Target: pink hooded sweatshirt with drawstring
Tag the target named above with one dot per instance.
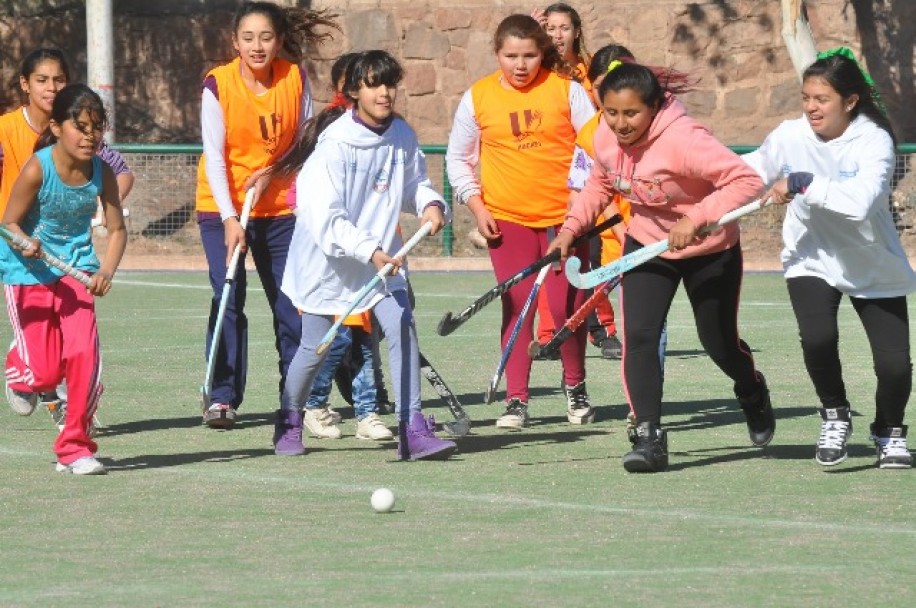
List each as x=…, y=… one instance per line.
x=676, y=169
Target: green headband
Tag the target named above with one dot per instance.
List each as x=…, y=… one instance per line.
x=846, y=52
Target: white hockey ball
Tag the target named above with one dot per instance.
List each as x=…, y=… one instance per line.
x=382, y=500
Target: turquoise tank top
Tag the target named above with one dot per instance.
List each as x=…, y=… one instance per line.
x=61, y=219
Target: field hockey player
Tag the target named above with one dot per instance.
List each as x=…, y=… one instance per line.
x=519, y=124
x=684, y=180
x=258, y=87
x=53, y=317
x=832, y=169
x=360, y=168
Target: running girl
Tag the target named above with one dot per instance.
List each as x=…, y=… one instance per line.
x=251, y=110
x=53, y=317
x=42, y=74
x=363, y=168
x=519, y=124
x=832, y=168
x=678, y=178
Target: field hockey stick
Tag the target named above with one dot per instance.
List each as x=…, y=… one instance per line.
x=97, y=221
x=640, y=256
x=376, y=279
x=548, y=350
x=490, y=394
x=231, y=269
x=462, y=424
x=450, y=323
x=47, y=258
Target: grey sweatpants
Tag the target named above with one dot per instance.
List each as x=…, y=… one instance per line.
x=396, y=322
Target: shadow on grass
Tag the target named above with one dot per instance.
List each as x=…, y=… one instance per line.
x=772, y=451
x=242, y=421
x=160, y=461
x=719, y=412
x=471, y=444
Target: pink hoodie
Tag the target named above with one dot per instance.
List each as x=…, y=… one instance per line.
x=677, y=168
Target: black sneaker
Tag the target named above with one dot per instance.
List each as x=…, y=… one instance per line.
x=650, y=450
x=515, y=417
x=761, y=423
x=893, y=452
x=611, y=348
x=836, y=427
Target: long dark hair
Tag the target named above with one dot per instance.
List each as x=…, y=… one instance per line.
x=603, y=57
x=650, y=82
x=369, y=68
x=526, y=27
x=298, y=27
x=579, y=47
x=846, y=78
x=31, y=62
x=68, y=104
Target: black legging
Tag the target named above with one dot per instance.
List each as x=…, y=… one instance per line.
x=713, y=285
x=887, y=326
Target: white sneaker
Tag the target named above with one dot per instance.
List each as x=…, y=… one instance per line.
x=20, y=402
x=579, y=409
x=87, y=465
x=335, y=415
x=516, y=416
x=320, y=422
x=372, y=427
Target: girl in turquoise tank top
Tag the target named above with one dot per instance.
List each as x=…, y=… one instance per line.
x=53, y=316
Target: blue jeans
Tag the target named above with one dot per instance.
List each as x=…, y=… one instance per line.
x=359, y=343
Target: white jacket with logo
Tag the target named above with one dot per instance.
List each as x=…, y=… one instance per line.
x=840, y=229
x=349, y=196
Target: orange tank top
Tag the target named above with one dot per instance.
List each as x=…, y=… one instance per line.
x=259, y=131
x=526, y=145
x=18, y=141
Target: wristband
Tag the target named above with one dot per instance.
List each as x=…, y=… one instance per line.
x=799, y=181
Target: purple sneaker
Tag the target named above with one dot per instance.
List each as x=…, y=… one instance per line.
x=422, y=442
x=288, y=433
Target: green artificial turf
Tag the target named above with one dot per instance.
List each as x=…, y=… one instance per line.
x=189, y=516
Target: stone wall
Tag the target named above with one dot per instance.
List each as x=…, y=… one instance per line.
x=163, y=48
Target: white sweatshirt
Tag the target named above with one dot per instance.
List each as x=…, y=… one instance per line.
x=349, y=195
x=840, y=229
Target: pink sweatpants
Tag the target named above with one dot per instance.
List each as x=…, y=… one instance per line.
x=520, y=246
x=55, y=337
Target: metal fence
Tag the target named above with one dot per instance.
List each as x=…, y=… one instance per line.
x=162, y=201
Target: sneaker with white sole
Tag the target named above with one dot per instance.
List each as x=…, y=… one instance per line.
x=836, y=427
x=320, y=423
x=893, y=452
x=220, y=416
x=87, y=465
x=579, y=409
x=21, y=402
x=515, y=417
x=371, y=427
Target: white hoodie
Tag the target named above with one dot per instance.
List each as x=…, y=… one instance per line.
x=840, y=229
x=349, y=197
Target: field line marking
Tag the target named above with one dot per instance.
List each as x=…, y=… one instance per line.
x=518, y=501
